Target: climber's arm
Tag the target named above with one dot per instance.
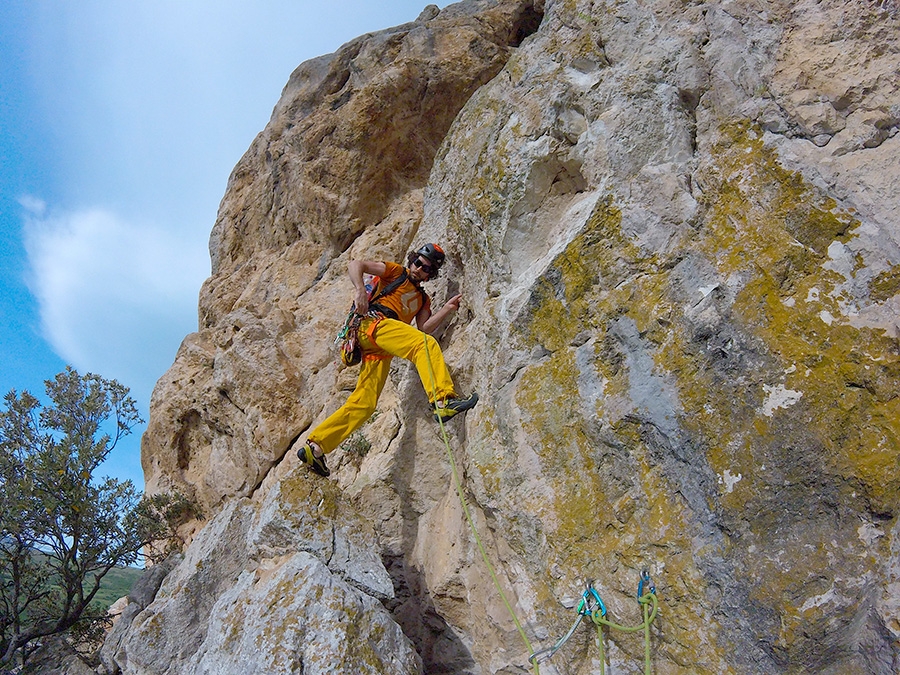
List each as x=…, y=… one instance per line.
x=428, y=322
x=356, y=269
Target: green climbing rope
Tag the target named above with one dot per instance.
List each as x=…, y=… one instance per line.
x=600, y=620
x=465, y=507
x=591, y=604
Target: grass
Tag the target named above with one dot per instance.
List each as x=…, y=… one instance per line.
x=117, y=583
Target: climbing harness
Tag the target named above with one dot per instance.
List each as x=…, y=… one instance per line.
x=348, y=337
x=591, y=604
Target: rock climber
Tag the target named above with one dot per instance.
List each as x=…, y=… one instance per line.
x=385, y=332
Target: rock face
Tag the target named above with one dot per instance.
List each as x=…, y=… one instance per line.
x=675, y=227
x=293, y=585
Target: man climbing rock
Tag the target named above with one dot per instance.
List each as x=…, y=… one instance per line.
x=385, y=332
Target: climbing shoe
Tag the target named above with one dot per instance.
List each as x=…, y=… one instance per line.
x=317, y=464
x=453, y=406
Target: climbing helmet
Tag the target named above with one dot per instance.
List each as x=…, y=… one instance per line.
x=432, y=252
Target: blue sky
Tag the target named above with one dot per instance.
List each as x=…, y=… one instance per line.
x=119, y=125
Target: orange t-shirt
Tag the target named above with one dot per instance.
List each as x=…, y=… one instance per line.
x=406, y=300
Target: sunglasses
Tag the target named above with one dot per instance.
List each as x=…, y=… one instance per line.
x=425, y=267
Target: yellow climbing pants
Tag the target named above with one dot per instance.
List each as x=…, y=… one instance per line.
x=381, y=340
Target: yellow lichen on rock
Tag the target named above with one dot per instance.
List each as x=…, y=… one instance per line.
x=766, y=225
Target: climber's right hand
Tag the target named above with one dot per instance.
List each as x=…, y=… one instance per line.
x=362, y=301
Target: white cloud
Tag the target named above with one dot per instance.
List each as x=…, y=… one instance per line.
x=33, y=206
x=115, y=296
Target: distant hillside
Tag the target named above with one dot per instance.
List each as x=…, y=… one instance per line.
x=117, y=583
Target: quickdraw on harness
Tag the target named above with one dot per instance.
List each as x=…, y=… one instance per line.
x=591, y=605
x=348, y=337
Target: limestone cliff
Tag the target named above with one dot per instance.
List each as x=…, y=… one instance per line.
x=675, y=226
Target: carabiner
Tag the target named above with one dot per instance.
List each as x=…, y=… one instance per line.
x=645, y=579
x=591, y=596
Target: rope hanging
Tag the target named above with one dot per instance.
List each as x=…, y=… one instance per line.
x=649, y=604
x=465, y=506
x=591, y=604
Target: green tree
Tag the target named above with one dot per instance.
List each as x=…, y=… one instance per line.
x=61, y=530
